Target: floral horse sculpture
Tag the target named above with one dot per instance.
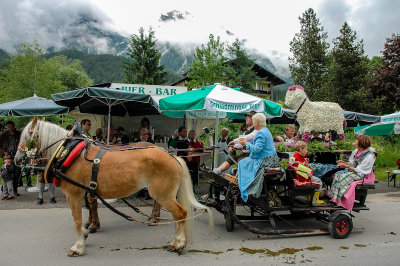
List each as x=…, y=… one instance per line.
x=314, y=116
x=120, y=174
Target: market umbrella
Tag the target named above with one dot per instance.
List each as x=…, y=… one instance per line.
x=389, y=124
x=378, y=129
x=32, y=106
x=217, y=98
x=105, y=101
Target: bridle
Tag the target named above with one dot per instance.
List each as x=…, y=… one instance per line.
x=34, y=137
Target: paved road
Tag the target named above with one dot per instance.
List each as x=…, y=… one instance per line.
x=43, y=237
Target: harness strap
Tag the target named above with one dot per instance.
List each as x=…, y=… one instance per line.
x=301, y=105
x=95, y=171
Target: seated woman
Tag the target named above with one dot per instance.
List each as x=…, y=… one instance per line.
x=359, y=167
x=262, y=155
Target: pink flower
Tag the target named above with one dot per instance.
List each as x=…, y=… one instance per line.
x=326, y=144
x=289, y=144
x=295, y=87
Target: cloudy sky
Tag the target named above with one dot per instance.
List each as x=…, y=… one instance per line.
x=267, y=25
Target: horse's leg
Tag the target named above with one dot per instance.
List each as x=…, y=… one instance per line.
x=155, y=214
x=94, y=216
x=79, y=247
x=179, y=213
x=89, y=220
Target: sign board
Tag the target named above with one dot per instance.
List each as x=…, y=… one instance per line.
x=153, y=90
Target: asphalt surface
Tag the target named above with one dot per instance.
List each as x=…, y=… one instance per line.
x=42, y=235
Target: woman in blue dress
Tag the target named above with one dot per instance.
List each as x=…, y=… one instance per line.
x=262, y=156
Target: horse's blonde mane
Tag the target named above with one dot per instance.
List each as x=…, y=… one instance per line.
x=48, y=134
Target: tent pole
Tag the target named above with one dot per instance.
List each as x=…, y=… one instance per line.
x=109, y=124
x=215, y=141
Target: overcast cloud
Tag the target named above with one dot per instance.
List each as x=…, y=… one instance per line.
x=267, y=25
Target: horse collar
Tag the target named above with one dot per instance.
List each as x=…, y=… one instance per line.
x=301, y=105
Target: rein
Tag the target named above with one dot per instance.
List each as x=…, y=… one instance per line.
x=127, y=217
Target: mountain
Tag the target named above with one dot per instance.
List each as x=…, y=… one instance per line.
x=103, y=50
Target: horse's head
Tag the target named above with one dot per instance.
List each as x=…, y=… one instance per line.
x=29, y=140
x=295, y=96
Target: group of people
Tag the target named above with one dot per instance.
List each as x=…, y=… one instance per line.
x=258, y=153
x=186, y=146
x=118, y=136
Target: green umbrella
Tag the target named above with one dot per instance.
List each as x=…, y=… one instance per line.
x=32, y=106
x=217, y=98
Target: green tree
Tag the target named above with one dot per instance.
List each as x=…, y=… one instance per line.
x=349, y=71
x=28, y=72
x=240, y=69
x=308, y=65
x=208, y=67
x=144, y=60
x=386, y=87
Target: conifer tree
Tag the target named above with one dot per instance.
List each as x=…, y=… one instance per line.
x=349, y=71
x=308, y=65
x=386, y=87
x=144, y=58
x=240, y=69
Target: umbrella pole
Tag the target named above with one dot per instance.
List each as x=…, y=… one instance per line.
x=109, y=124
x=215, y=141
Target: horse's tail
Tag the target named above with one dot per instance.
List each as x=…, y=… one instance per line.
x=187, y=199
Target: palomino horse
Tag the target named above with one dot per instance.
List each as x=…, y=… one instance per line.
x=121, y=174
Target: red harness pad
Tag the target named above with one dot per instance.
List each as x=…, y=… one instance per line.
x=74, y=153
x=71, y=157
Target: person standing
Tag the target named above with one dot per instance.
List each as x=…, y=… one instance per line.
x=145, y=123
x=180, y=142
x=7, y=172
x=8, y=146
x=193, y=162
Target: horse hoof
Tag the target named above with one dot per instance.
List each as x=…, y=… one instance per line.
x=72, y=253
x=174, y=249
x=92, y=231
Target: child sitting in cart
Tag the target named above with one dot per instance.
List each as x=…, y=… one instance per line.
x=303, y=174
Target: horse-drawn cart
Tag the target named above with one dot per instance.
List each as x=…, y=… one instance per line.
x=280, y=202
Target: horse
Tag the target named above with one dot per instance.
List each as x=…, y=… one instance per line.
x=121, y=174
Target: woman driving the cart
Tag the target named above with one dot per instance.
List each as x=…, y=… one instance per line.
x=359, y=169
x=262, y=155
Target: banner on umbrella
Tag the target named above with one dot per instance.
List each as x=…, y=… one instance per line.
x=204, y=114
x=257, y=106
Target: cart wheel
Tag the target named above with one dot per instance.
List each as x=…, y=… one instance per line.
x=229, y=223
x=340, y=227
